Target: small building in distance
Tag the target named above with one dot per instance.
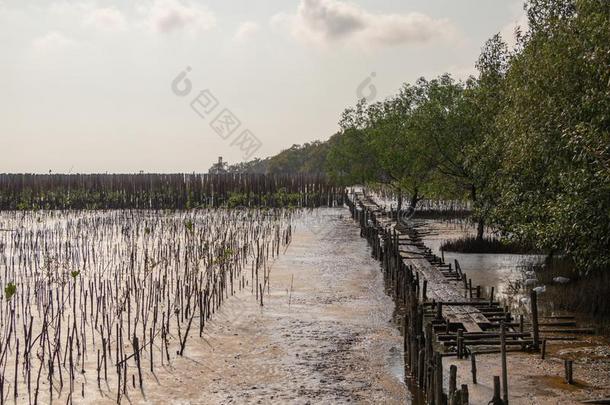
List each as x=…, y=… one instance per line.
x=218, y=168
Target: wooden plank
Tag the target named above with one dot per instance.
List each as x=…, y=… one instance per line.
x=440, y=288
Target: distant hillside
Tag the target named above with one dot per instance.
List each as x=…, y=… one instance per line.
x=309, y=158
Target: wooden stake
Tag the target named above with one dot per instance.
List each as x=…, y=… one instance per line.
x=504, y=366
x=568, y=371
x=473, y=362
x=452, y=380
x=535, y=330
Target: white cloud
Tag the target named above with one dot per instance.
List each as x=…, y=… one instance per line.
x=281, y=21
x=246, y=31
x=106, y=19
x=52, y=42
x=167, y=16
x=64, y=8
x=324, y=22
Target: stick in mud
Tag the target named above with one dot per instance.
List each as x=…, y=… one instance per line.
x=465, y=396
x=452, y=380
x=424, y=291
x=504, y=366
x=568, y=371
x=136, y=349
x=438, y=378
x=497, y=399
x=473, y=362
x=95, y=302
x=439, y=311
x=535, y=326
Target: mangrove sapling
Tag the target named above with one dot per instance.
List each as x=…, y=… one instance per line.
x=116, y=277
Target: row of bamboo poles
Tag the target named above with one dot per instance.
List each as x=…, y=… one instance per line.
x=95, y=302
x=164, y=191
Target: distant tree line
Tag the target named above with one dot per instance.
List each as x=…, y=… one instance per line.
x=309, y=158
x=527, y=141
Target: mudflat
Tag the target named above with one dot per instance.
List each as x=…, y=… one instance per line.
x=323, y=336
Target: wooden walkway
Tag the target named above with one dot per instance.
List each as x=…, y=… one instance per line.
x=444, y=315
x=444, y=283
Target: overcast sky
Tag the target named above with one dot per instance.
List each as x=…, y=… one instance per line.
x=93, y=86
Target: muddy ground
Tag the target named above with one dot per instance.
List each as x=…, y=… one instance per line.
x=532, y=381
x=323, y=336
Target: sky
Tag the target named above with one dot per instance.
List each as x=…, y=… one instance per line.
x=170, y=85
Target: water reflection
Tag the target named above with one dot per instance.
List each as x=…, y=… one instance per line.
x=505, y=272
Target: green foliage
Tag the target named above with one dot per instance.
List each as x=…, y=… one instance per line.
x=544, y=15
x=237, y=199
x=471, y=244
x=309, y=158
x=554, y=129
x=10, y=290
x=416, y=141
x=253, y=166
x=528, y=141
x=446, y=125
x=74, y=274
x=280, y=198
x=349, y=161
x=223, y=257
x=189, y=226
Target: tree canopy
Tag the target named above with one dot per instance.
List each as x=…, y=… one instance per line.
x=527, y=141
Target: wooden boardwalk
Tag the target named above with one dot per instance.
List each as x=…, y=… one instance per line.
x=444, y=283
x=444, y=315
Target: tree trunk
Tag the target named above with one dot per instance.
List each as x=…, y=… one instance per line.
x=548, y=261
x=399, y=207
x=480, y=228
x=481, y=220
x=414, y=199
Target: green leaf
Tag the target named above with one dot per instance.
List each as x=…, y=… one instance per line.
x=10, y=290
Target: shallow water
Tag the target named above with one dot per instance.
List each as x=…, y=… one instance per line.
x=504, y=272
x=324, y=335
